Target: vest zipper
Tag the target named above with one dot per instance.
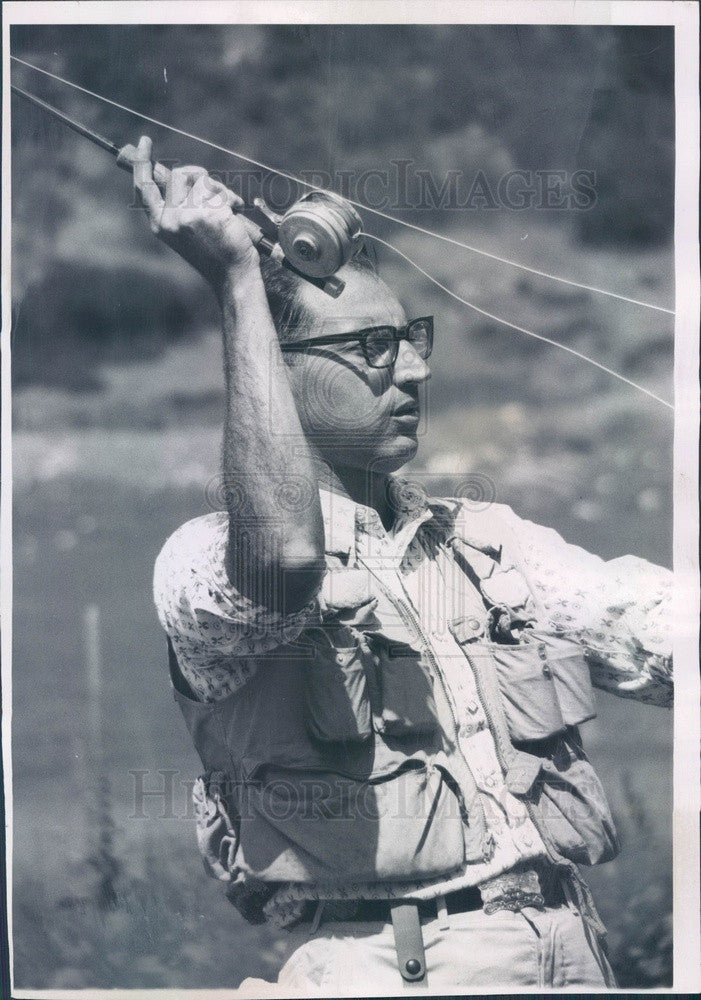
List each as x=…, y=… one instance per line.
x=494, y=727
x=408, y=617
x=406, y=613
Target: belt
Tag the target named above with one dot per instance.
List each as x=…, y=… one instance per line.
x=537, y=885
x=372, y=910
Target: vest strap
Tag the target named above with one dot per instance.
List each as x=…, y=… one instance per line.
x=409, y=943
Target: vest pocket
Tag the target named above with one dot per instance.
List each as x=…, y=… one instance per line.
x=320, y=826
x=574, y=807
x=571, y=676
x=359, y=681
x=405, y=689
x=529, y=696
x=336, y=692
x=545, y=685
x=570, y=802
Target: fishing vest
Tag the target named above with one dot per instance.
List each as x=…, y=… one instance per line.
x=338, y=762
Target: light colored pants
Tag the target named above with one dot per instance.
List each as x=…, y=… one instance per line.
x=465, y=952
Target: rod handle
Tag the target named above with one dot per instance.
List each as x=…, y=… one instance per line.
x=127, y=157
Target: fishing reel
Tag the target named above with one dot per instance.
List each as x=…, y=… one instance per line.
x=317, y=236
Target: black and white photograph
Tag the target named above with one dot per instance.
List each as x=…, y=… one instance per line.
x=350, y=498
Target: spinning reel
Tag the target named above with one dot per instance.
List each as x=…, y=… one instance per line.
x=314, y=238
x=317, y=236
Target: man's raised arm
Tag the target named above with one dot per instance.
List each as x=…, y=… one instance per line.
x=276, y=551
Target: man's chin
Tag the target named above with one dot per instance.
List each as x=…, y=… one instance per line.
x=388, y=456
x=396, y=454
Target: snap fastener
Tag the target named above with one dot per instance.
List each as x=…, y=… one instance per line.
x=413, y=966
x=474, y=624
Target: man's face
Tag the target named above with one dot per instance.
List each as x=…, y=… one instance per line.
x=354, y=414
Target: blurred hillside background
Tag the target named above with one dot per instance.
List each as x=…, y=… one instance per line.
x=118, y=406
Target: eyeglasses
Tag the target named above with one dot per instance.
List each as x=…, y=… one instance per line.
x=380, y=344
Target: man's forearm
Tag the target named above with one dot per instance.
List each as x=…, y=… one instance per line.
x=276, y=551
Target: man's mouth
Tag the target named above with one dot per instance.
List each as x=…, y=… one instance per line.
x=408, y=409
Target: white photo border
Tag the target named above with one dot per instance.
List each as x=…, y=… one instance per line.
x=684, y=16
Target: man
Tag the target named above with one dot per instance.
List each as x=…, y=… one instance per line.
x=385, y=689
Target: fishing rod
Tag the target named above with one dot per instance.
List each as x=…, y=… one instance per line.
x=314, y=238
x=321, y=231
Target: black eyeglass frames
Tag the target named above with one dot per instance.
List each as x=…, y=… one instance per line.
x=380, y=344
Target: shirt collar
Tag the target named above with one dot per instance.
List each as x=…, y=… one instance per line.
x=338, y=513
x=345, y=520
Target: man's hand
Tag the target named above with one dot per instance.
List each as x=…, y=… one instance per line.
x=194, y=216
x=281, y=565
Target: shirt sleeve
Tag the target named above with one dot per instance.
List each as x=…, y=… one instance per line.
x=216, y=632
x=619, y=610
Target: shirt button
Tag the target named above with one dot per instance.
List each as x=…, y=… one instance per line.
x=547, y=672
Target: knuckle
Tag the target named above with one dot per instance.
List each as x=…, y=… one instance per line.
x=201, y=216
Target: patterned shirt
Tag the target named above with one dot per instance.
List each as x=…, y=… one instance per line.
x=618, y=611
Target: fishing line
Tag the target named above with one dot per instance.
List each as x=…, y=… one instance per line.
x=171, y=128
x=519, y=329
x=356, y=204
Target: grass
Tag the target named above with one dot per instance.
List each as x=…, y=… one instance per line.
x=171, y=928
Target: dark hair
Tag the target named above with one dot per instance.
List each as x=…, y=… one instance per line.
x=292, y=320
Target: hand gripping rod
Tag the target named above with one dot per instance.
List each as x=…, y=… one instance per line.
x=126, y=157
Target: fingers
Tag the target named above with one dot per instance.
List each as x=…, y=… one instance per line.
x=214, y=195
x=193, y=187
x=233, y=200
x=145, y=187
x=181, y=182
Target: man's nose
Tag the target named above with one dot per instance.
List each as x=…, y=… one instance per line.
x=409, y=366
